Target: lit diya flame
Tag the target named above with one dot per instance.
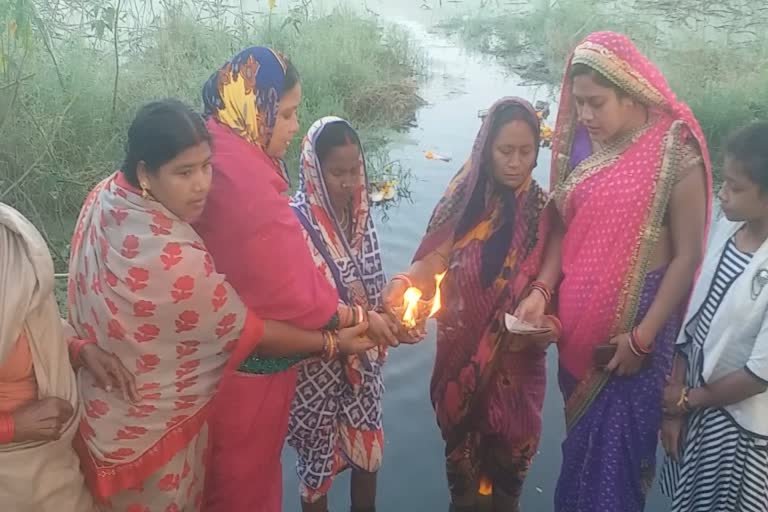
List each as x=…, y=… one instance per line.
x=412, y=299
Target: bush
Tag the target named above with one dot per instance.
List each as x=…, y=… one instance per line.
x=62, y=126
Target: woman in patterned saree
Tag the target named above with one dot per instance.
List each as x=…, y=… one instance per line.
x=488, y=231
x=336, y=413
x=631, y=180
x=143, y=286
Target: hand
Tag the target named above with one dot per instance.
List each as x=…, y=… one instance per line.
x=41, y=420
x=352, y=340
x=672, y=393
x=381, y=330
x=109, y=371
x=624, y=363
x=672, y=436
x=531, y=309
x=392, y=295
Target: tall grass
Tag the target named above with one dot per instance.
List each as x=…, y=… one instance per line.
x=63, y=114
x=714, y=54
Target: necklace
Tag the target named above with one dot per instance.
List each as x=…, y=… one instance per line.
x=344, y=221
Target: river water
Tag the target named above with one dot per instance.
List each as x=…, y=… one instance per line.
x=460, y=84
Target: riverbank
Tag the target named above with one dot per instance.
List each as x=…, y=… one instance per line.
x=72, y=80
x=715, y=57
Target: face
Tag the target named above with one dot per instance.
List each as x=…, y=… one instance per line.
x=341, y=172
x=741, y=198
x=601, y=110
x=182, y=184
x=513, y=154
x=287, y=123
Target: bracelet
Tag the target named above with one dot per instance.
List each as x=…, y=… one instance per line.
x=683, y=403
x=642, y=348
x=404, y=277
x=360, y=314
x=75, y=346
x=330, y=345
x=7, y=428
x=542, y=288
x=633, y=347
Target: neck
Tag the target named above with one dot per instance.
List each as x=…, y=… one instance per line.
x=757, y=230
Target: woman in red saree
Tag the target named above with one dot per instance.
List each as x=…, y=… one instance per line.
x=488, y=232
x=631, y=181
x=248, y=225
x=143, y=287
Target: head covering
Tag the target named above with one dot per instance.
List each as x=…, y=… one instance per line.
x=464, y=202
x=244, y=94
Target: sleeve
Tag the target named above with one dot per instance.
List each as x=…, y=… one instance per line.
x=757, y=365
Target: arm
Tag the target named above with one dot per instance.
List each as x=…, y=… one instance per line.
x=731, y=389
x=423, y=271
x=283, y=339
x=687, y=209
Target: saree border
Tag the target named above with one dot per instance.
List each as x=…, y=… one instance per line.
x=629, y=299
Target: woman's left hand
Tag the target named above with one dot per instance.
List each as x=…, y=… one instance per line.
x=380, y=329
x=625, y=363
x=109, y=371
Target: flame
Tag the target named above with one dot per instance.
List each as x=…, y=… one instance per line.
x=436, y=305
x=411, y=302
x=485, y=487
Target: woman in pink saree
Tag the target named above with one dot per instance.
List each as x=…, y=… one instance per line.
x=631, y=180
x=144, y=287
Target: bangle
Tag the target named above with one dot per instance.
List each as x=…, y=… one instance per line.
x=330, y=345
x=634, y=348
x=75, y=346
x=404, y=277
x=542, y=288
x=558, y=325
x=683, y=403
x=641, y=347
x=7, y=428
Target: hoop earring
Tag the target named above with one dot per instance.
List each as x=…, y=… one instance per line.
x=144, y=191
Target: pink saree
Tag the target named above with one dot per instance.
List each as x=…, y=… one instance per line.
x=613, y=201
x=144, y=287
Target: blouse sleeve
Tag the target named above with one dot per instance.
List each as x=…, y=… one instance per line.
x=757, y=365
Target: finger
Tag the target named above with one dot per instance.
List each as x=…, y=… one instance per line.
x=359, y=329
x=101, y=374
x=118, y=377
x=613, y=364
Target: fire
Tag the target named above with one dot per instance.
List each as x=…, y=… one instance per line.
x=485, y=487
x=436, y=305
x=411, y=302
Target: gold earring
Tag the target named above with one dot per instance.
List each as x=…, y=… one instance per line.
x=144, y=191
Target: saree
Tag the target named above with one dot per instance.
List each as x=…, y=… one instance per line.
x=143, y=286
x=613, y=202
x=256, y=240
x=36, y=476
x=487, y=393
x=336, y=417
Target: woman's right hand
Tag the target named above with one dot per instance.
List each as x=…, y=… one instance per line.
x=41, y=420
x=672, y=435
x=531, y=309
x=392, y=295
x=352, y=340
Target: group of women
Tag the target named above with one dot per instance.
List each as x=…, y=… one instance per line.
x=212, y=317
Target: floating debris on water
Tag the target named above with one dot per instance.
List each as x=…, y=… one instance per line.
x=383, y=191
x=431, y=155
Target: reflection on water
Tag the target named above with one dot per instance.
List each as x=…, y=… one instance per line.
x=412, y=478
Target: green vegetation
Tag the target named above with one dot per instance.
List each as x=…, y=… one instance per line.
x=714, y=54
x=73, y=73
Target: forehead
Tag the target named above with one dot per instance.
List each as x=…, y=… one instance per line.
x=191, y=156
x=736, y=171
x=290, y=98
x=515, y=133
x=346, y=155
x=584, y=86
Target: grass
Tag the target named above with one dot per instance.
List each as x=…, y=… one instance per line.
x=714, y=55
x=62, y=127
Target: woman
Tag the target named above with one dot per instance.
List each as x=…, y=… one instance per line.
x=488, y=231
x=715, y=407
x=631, y=182
x=251, y=106
x=143, y=286
x=338, y=424
x=38, y=393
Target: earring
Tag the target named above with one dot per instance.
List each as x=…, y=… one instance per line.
x=144, y=191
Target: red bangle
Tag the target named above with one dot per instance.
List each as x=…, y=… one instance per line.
x=542, y=288
x=634, y=338
x=75, y=346
x=7, y=428
x=558, y=325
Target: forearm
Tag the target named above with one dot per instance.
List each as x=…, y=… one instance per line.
x=731, y=389
x=422, y=272
x=679, y=369
x=675, y=287
x=551, y=268
x=282, y=339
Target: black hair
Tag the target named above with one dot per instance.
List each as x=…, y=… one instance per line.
x=749, y=146
x=580, y=69
x=291, y=76
x=335, y=134
x=160, y=131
